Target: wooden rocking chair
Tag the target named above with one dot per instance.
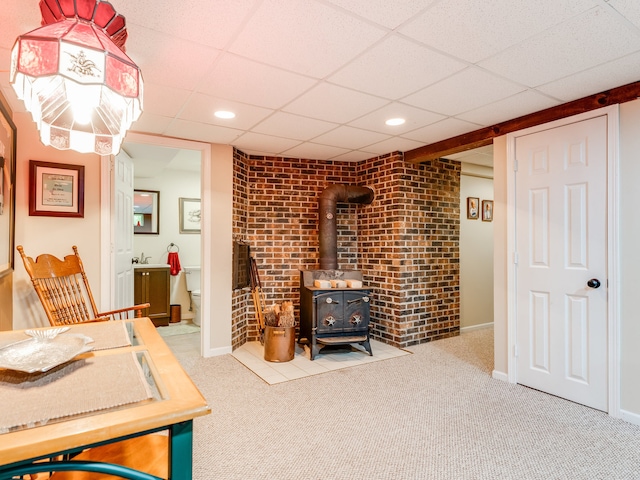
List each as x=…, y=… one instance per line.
x=63, y=290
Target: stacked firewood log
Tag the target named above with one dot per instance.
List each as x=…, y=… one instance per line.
x=280, y=315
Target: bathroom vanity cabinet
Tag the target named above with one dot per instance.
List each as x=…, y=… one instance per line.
x=152, y=284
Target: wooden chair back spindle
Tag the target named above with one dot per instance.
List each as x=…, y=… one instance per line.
x=63, y=289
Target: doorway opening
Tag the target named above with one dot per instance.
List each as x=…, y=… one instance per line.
x=476, y=238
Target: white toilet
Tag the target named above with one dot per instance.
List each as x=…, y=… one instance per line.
x=193, y=286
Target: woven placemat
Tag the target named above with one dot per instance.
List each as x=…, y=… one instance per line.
x=79, y=387
x=104, y=334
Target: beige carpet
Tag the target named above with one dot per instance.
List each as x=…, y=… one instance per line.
x=436, y=414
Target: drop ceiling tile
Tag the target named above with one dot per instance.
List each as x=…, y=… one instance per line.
x=352, y=156
x=190, y=160
x=157, y=153
x=464, y=91
x=594, y=80
x=442, y=130
x=201, y=107
x=161, y=100
x=150, y=123
x=23, y=20
x=578, y=44
x=392, y=145
x=313, y=151
x=334, y=104
x=473, y=30
x=201, y=132
x=243, y=80
x=395, y=68
x=259, y=153
x=349, y=137
x=509, y=108
x=211, y=22
x=264, y=143
x=293, y=126
x=169, y=62
x=629, y=9
x=414, y=118
x=378, y=11
x=304, y=37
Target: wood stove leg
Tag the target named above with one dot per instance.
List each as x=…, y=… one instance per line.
x=313, y=349
x=367, y=347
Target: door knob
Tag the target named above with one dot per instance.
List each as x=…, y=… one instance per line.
x=593, y=283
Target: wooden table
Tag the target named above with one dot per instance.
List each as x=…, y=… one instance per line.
x=178, y=404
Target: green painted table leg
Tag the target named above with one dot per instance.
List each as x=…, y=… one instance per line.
x=181, y=451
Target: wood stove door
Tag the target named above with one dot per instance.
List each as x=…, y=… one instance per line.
x=329, y=313
x=356, y=311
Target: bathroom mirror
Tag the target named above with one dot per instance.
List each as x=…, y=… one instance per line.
x=146, y=212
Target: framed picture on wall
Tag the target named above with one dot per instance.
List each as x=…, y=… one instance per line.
x=473, y=208
x=56, y=189
x=487, y=210
x=189, y=215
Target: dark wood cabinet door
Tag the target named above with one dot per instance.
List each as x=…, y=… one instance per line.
x=152, y=285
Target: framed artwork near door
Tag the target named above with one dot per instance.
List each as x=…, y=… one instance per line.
x=487, y=210
x=473, y=209
x=189, y=215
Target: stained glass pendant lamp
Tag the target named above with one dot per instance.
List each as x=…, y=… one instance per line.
x=82, y=90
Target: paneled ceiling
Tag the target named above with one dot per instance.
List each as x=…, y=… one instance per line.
x=318, y=78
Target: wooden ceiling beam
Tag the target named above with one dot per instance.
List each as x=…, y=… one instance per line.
x=485, y=136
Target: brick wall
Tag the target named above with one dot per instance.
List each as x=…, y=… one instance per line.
x=241, y=298
x=405, y=242
x=409, y=250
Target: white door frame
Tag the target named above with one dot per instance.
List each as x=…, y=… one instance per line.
x=613, y=260
x=107, y=241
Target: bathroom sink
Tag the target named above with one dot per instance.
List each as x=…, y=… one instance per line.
x=150, y=265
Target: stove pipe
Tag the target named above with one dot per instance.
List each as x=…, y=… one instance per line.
x=327, y=229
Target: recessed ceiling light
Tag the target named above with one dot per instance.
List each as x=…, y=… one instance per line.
x=393, y=122
x=224, y=114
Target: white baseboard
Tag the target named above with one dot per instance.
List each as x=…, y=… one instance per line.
x=476, y=327
x=500, y=376
x=630, y=417
x=216, y=352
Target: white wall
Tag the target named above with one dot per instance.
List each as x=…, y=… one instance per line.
x=218, y=250
x=172, y=185
x=55, y=235
x=476, y=250
x=500, y=259
x=630, y=260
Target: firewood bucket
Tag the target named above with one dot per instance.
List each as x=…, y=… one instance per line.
x=279, y=343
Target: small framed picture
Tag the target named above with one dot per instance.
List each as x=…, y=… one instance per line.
x=189, y=215
x=487, y=210
x=56, y=189
x=473, y=208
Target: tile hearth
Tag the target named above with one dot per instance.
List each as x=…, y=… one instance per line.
x=251, y=355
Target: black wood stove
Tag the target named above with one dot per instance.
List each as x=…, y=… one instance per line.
x=334, y=309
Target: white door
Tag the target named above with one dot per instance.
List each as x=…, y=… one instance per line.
x=561, y=232
x=123, y=230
